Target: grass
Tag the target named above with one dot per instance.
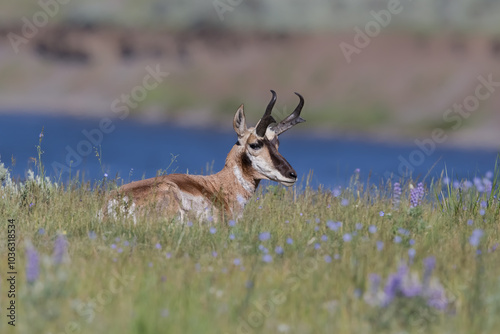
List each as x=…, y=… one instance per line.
x=158, y=276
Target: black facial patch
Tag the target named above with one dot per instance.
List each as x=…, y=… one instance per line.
x=277, y=159
x=238, y=143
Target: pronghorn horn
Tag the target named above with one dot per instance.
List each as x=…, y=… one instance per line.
x=267, y=119
x=270, y=106
x=292, y=119
x=264, y=122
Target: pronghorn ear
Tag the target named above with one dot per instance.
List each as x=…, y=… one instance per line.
x=239, y=123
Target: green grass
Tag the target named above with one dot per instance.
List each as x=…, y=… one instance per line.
x=184, y=288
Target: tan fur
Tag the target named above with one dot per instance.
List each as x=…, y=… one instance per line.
x=165, y=192
x=253, y=158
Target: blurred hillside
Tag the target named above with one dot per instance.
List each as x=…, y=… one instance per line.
x=398, y=86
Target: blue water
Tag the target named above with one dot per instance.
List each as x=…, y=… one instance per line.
x=133, y=150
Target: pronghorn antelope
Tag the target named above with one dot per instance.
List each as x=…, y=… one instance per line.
x=254, y=157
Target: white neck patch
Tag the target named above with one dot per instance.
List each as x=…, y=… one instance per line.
x=246, y=185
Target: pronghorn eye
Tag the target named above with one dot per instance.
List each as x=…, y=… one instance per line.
x=255, y=146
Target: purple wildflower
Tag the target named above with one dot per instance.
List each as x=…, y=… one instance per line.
x=213, y=230
x=267, y=258
x=278, y=250
x=264, y=236
x=372, y=229
x=476, y=237
x=236, y=262
x=32, y=264
x=417, y=194
x=347, y=237
x=92, y=235
x=232, y=223
x=359, y=226
x=344, y=202
x=381, y=213
x=289, y=241
x=380, y=245
x=396, y=195
x=328, y=258
x=158, y=246
x=60, y=249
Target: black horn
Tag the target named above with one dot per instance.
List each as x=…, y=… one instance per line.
x=266, y=119
x=292, y=119
x=270, y=106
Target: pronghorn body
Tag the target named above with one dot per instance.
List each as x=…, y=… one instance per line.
x=254, y=157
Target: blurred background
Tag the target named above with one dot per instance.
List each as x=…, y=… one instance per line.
x=130, y=87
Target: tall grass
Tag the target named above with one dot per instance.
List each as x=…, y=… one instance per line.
x=299, y=261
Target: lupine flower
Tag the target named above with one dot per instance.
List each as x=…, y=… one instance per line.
x=263, y=249
x=403, y=232
x=416, y=195
x=60, y=248
x=396, y=195
x=404, y=284
x=411, y=254
x=32, y=264
x=334, y=226
x=476, y=237
x=264, y=236
x=267, y=258
x=429, y=264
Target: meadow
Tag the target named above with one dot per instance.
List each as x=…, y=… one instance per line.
x=401, y=257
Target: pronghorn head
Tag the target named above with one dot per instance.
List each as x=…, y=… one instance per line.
x=257, y=147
